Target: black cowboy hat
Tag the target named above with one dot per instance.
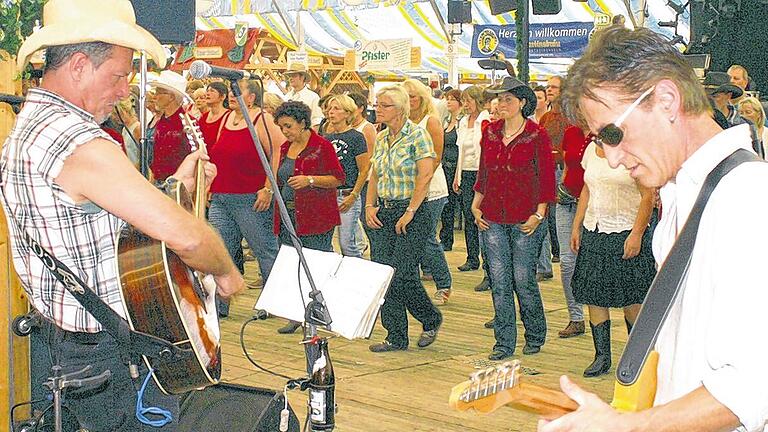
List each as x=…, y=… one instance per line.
x=519, y=90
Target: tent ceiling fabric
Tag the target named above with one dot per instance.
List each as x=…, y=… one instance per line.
x=333, y=26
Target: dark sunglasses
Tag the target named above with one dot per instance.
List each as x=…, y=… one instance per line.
x=611, y=134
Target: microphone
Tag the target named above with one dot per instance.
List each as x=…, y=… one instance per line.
x=200, y=69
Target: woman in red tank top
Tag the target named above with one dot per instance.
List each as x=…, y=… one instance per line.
x=210, y=122
x=241, y=202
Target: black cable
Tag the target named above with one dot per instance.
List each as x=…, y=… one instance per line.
x=20, y=404
x=39, y=418
x=248, y=356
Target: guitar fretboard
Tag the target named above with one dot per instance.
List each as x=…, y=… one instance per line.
x=492, y=380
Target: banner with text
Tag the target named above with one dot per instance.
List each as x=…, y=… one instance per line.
x=564, y=40
x=385, y=54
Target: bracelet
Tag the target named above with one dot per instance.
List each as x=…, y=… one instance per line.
x=538, y=216
x=268, y=190
x=355, y=194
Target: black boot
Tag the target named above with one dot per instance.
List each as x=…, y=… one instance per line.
x=629, y=325
x=601, y=336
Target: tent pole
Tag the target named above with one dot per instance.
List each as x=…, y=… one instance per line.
x=281, y=12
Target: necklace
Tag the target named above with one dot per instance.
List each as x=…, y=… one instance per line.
x=236, y=121
x=516, y=132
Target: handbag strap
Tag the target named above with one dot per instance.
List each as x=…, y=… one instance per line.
x=669, y=279
x=134, y=342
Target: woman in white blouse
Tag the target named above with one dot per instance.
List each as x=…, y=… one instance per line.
x=468, y=141
x=614, y=265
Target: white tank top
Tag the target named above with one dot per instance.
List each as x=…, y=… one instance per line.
x=438, y=187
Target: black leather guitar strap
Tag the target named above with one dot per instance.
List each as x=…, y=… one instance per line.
x=135, y=342
x=666, y=285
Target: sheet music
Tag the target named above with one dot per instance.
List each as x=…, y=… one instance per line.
x=353, y=289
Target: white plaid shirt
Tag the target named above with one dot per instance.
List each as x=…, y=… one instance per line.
x=82, y=236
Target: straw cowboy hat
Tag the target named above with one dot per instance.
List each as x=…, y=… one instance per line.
x=77, y=21
x=169, y=80
x=297, y=68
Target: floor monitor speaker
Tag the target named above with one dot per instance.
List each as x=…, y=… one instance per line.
x=234, y=408
x=170, y=21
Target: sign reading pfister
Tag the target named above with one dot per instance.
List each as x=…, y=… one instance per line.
x=547, y=40
x=385, y=54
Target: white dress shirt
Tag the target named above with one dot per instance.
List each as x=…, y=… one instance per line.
x=714, y=334
x=311, y=99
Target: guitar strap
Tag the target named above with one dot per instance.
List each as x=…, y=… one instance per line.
x=669, y=279
x=134, y=342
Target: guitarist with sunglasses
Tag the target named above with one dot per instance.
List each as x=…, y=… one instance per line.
x=649, y=113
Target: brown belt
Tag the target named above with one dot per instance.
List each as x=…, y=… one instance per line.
x=344, y=192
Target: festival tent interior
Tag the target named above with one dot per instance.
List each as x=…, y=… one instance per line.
x=332, y=27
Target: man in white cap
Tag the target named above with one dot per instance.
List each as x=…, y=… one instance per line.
x=298, y=79
x=69, y=187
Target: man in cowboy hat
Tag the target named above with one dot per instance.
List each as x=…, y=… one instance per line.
x=170, y=143
x=67, y=185
x=298, y=79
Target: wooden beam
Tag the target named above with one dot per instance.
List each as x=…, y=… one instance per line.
x=14, y=379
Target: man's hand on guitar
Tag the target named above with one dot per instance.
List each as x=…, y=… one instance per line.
x=593, y=414
x=230, y=284
x=188, y=168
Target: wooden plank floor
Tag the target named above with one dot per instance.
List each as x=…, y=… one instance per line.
x=408, y=391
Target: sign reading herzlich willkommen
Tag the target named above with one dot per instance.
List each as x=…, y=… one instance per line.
x=550, y=40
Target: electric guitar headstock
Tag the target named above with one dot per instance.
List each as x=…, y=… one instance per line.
x=492, y=388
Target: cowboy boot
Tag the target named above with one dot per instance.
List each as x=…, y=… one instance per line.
x=601, y=336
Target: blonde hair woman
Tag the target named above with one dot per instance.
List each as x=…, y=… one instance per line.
x=352, y=153
x=271, y=102
x=401, y=169
x=424, y=114
x=751, y=109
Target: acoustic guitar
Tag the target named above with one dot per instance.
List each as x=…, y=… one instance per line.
x=490, y=389
x=165, y=298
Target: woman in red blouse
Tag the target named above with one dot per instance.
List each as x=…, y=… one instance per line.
x=574, y=143
x=308, y=175
x=515, y=184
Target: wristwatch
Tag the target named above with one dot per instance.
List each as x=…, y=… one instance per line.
x=538, y=216
x=311, y=181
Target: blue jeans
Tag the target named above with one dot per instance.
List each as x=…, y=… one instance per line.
x=565, y=215
x=406, y=292
x=351, y=237
x=512, y=263
x=434, y=261
x=234, y=217
x=544, y=262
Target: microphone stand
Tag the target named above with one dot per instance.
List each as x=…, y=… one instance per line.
x=316, y=313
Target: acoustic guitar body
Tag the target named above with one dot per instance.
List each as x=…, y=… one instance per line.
x=165, y=298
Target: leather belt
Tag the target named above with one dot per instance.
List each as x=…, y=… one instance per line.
x=344, y=192
x=389, y=204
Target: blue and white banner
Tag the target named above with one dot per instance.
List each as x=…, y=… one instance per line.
x=547, y=40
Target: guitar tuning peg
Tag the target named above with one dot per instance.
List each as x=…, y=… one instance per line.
x=477, y=376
